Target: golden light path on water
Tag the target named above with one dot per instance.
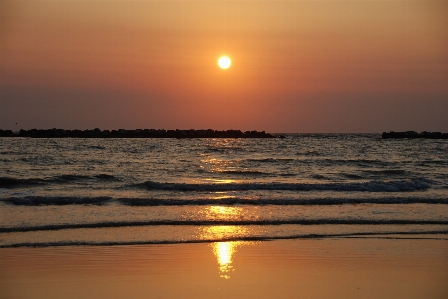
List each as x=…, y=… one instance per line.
x=224, y=251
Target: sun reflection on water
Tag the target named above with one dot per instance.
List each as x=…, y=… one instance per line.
x=223, y=212
x=224, y=252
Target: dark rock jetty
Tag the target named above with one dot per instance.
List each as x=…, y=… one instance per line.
x=413, y=134
x=139, y=133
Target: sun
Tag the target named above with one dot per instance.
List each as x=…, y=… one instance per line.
x=224, y=62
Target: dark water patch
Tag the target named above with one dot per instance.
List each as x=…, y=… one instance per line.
x=387, y=172
x=9, y=182
x=435, y=164
x=38, y=160
x=277, y=202
x=287, y=174
x=106, y=177
x=70, y=178
x=371, y=186
x=367, y=161
x=352, y=176
x=245, y=172
x=8, y=153
x=438, y=162
x=82, y=147
x=96, y=147
x=53, y=227
x=311, y=153
x=318, y=177
x=224, y=149
x=270, y=160
x=355, y=162
x=57, y=201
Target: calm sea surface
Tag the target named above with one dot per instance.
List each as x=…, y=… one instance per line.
x=143, y=191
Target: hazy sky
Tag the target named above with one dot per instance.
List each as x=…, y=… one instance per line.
x=297, y=66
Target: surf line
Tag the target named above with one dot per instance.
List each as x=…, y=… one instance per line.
x=221, y=223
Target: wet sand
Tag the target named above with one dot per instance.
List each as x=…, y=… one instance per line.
x=324, y=268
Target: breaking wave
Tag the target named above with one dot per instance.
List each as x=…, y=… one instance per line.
x=57, y=201
x=392, y=235
x=245, y=172
x=68, y=178
x=10, y=182
x=371, y=186
x=115, y=224
x=102, y=200
x=270, y=160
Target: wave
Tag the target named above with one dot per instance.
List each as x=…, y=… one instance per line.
x=245, y=172
x=96, y=147
x=333, y=161
x=48, y=201
x=352, y=176
x=52, y=227
x=224, y=148
x=379, y=235
x=270, y=160
x=371, y=186
x=101, y=200
x=278, y=202
x=10, y=182
x=391, y=172
x=106, y=177
x=68, y=178
x=75, y=177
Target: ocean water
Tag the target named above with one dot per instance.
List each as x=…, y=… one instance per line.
x=143, y=191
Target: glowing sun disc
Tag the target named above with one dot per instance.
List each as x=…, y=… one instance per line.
x=224, y=62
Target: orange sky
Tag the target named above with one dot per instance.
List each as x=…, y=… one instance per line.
x=297, y=66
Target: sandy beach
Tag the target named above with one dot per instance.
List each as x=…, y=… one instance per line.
x=322, y=268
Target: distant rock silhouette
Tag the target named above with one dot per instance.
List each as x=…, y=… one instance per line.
x=413, y=134
x=138, y=133
x=152, y=133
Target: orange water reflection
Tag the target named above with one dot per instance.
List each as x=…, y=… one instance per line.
x=223, y=213
x=214, y=165
x=224, y=251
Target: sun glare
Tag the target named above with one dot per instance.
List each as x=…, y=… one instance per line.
x=224, y=62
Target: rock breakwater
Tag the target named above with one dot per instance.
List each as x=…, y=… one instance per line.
x=413, y=134
x=138, y=133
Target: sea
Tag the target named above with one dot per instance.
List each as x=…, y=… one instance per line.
x=104, y=192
